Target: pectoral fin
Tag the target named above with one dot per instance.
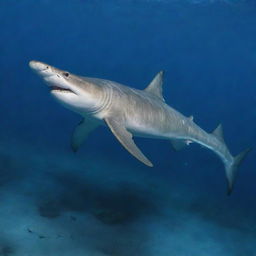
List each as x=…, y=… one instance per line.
x=125, y=138
x=81, y=132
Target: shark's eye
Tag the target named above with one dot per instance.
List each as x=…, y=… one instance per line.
x=66, y=74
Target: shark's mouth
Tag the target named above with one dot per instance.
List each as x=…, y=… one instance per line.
x=60, y=89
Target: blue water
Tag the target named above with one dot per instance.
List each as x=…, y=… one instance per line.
x=102, y=201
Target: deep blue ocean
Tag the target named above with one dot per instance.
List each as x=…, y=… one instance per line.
x=101, y=201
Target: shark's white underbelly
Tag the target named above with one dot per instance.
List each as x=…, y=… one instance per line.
x=144, y=131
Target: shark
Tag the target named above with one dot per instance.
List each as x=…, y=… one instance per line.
x=129, y=113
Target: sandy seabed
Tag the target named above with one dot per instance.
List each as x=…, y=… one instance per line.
x=61, y=204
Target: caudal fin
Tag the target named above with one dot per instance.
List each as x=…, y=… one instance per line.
x=231, y=170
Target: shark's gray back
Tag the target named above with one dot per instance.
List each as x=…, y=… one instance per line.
x=142, y=109
x=147, y=115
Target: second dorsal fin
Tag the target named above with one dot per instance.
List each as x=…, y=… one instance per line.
x=155, y=87
x=218, y=132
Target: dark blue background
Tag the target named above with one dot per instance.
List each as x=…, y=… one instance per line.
x=207, y=49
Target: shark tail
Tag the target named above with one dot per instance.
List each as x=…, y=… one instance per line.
x=231, y=169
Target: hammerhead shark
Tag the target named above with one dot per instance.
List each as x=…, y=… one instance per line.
x=130, y=112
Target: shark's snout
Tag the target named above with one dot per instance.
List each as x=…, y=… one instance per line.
x=38, y=66
x=56, y=79
x=42, y=69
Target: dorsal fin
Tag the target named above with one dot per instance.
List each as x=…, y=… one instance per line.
x=218, y=132
x=155, y=87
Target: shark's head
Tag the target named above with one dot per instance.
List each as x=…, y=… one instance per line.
x=74, y=92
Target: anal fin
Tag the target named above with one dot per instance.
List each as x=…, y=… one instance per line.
x=125, y=138
x=179, y=144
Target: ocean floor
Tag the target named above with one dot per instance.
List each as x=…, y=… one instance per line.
x=62, y=204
